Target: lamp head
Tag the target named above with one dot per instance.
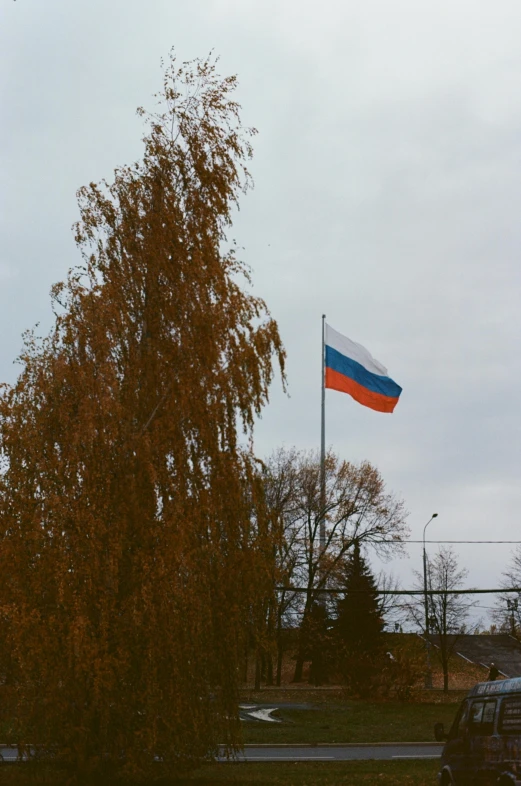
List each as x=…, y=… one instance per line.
x=434, y=515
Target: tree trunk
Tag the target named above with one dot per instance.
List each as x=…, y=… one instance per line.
x=269, y=669
x=258, y=666
x=280, y=654
x=299, y=667
x=315, y=671
x=303, y=635
x=280, y=650
x=245, y=664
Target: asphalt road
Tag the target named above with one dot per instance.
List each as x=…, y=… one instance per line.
x=387, y=751
x=8, y=754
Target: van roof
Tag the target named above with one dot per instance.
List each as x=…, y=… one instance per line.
x=498, y=686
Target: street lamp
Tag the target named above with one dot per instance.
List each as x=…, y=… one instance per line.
x=428, y=679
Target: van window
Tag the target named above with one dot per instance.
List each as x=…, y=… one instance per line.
x=476, y=712
x=460, y=722
x=482, y=714
x=510, y=721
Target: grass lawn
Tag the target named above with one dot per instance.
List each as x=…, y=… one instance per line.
x=394, y=773
x=353, y=721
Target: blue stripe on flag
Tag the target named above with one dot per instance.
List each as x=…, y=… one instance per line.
x=350, y=368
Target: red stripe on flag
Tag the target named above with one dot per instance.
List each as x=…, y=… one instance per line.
x=375, y=401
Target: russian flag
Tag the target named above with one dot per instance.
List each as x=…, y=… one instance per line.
x=350, y=368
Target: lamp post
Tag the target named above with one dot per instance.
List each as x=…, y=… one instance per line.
x=428, y=677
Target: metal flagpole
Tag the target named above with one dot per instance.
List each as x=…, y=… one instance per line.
x=323, y=446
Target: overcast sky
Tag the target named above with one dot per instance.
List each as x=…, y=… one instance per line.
x=387, y=172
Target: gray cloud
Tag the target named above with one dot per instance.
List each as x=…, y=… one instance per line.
x=387, y=194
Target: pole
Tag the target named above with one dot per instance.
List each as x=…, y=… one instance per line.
x=428, y=676
x=323, y=443
x=425, y=598
x=322, y=523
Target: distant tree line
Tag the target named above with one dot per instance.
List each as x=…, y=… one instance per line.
x=358, y=513
x=339, y=632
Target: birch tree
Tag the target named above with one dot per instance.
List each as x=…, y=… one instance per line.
x=129, y=553
x=447, y=611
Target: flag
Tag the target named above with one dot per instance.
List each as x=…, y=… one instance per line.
x=350, y=368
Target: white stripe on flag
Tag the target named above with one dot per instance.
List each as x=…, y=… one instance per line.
x=354, y=351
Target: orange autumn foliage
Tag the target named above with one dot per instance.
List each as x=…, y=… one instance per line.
x=134, y=541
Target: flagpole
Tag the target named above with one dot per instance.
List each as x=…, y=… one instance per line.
x=323, y=444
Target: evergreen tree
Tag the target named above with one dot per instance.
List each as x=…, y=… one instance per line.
x=359, y=621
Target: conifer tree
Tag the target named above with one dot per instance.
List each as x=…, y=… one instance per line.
x=134, y=539
x=359, y=622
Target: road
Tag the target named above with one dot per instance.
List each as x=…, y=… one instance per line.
x=8, y=754
x=387, y=751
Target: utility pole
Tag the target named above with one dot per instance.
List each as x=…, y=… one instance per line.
x=428, y=676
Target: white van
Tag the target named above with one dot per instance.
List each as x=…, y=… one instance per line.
x=483, y=745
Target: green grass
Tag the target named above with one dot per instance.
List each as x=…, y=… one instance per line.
x=410, y=773
x=353, y=721
x=332, y=720
x=395, y=773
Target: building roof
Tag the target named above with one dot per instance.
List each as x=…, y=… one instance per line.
x=483, y=649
